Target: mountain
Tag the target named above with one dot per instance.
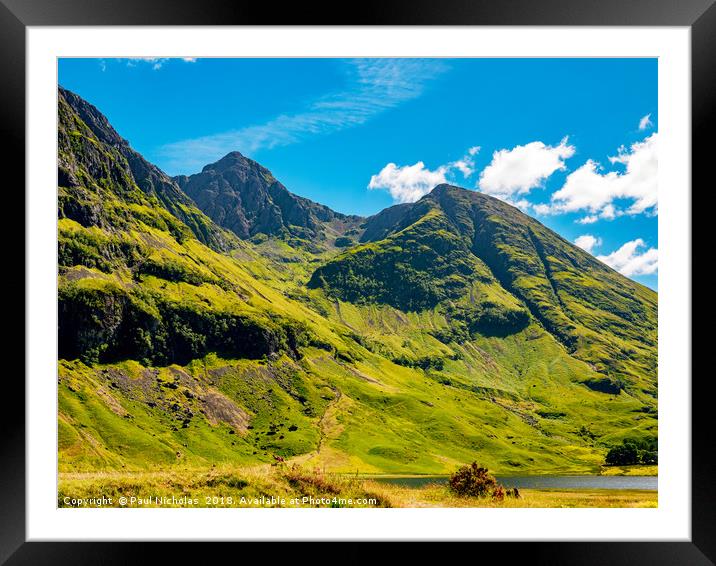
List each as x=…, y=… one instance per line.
x=91, y=151
x=244, y=197
x=476, y=254
x=432, y=334
x=123, y=224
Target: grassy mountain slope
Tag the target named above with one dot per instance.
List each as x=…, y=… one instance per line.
x=98, y=172
x=455, y=247
x=182, y=345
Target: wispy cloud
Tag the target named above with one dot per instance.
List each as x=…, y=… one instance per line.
x=645, y=122
x=374, y=86
x=466, y=165
x=156, y=63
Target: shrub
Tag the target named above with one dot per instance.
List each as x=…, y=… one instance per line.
x=622, y=455
x=425, y=362
x=173, y=270
x=475, y=481
x=604, y=385
x=649, y=457
x=498, y=493
x=634, y=451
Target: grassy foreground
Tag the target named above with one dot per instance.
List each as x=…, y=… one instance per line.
x=283, y=486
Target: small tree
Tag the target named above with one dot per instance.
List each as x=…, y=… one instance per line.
x=473, y=481
x=622, y=455
x=649, y=457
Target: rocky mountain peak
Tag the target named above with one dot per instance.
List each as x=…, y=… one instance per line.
x=243, y=196
x=236, y=161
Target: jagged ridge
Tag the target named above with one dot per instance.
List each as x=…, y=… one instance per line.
x=244, y=197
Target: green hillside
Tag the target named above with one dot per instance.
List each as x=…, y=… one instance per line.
x=458, y=329
x=487, y=264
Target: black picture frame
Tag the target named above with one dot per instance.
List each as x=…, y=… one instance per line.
x=17, y=15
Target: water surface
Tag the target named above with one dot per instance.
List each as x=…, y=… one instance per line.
x=543, y=482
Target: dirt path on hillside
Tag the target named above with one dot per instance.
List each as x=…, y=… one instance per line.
x=322, y=420
x=322, y=432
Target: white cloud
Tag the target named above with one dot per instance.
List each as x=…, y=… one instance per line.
x=629, y=261
x=465, y=167
x=523, y=204
x=407, y=183
x=588, y=242
x=374, y=86
x=609, y=212
x=589, y=219
x=645, y=122
x=542, y=209
x=466, y=164
x=589, y=189
x=155, y=62
x=522, y=168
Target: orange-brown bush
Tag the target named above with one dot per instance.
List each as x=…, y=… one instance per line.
x=475, y=481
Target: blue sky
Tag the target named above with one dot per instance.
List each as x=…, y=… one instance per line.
x=572, y=142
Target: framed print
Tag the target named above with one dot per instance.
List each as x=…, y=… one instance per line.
x=425, y=275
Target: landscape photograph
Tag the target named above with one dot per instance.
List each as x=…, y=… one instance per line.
x=331, y=282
